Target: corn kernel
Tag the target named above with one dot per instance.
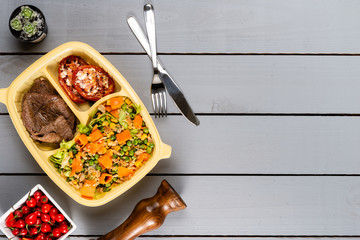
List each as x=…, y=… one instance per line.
x=137, y=163
x=128, y=101
x=117, y=148
x=114, y=120
x=112, y=125
x=105, y=124
x=144, y=136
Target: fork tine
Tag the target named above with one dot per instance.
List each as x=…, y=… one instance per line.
x=153, y=103
x=165, y=105
x=161, y=104
x=157, y=104
x=163, y=99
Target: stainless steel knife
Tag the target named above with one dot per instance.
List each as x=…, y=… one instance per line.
x=170, y=85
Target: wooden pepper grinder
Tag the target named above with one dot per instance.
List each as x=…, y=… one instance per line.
x=149, y=214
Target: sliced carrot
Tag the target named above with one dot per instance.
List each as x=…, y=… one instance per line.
x=88, y=189
x=102, y=150
x=142, y=158
x=91, y=148
x=123, y=136
x=109, y=153
x=108, y=108
x=137, y=122
x=115, y=102
x=81, y=139
x=95, y=135
x=115, y=113
x=124, y=172
x=105, y=178
x=105, y=161
x=76, y=165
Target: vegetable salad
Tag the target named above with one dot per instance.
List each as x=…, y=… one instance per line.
x=106, y=152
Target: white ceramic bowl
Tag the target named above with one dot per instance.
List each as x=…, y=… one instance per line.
x=17, y=205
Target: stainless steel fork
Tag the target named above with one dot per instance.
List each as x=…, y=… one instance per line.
x=158, y=93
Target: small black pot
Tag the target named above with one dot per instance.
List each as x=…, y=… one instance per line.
x=41, y=26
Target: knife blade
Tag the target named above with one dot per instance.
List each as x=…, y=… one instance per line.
x=172, y=88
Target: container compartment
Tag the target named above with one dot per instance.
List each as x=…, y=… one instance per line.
x=18, y=97
x=52, y=70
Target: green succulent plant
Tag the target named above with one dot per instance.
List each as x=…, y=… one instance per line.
x=16, y=24
x=26, y=21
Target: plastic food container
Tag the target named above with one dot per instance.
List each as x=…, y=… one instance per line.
x=47, y=67
x=17, y=205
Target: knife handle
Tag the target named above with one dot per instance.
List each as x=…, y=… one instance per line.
x=149, y=214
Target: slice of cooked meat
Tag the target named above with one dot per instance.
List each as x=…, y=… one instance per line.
x=45, y=114
x=52, y=132
x=41, y=85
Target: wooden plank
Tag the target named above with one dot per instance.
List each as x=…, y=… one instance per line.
x=226, y=238
x=147, y=237
x=234, y=145
x=227, y=26
x=224, y=205
x=239, y=84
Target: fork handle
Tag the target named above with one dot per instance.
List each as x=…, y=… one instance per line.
x=151, y=31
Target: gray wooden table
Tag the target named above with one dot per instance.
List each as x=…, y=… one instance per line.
x=276, y=85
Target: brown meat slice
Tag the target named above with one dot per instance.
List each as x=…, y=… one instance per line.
x=45, y=115
x=41, y=85
x=52, y=133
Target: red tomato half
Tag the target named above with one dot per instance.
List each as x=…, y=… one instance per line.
x=66, y=68
x=93, y=82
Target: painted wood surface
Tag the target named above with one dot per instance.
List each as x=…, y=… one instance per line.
x=239, y=84
x=149, y=237
x=276, y=155
x=234, y=145
x=221, y=205
x=226, y=26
